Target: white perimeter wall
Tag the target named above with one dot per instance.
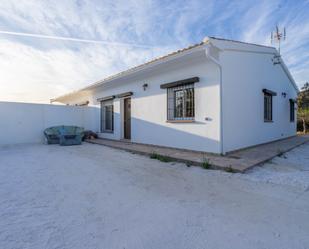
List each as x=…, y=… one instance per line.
x=149, y=108
x=25, y=123
x=244, y=77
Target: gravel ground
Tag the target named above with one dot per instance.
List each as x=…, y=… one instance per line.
x=290, y=169
x=91, y=196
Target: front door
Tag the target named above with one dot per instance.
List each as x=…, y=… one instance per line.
x=127, y=118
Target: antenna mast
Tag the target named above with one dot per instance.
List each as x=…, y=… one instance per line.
x=277, y=36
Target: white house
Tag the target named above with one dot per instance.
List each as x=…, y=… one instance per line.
x=216, y=96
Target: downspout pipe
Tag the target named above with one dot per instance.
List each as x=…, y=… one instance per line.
x=215, y=61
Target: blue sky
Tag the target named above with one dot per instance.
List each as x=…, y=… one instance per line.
x=35, y=69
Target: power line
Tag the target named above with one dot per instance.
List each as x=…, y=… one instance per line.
x=123, y=44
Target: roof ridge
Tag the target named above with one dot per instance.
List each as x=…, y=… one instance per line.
x=132, y=69
x=149, y=62
x=248, y=43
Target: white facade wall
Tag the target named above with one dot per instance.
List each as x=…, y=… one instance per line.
x=244, y=75
x=246, y=70
x=25, y=123
x=149, y=108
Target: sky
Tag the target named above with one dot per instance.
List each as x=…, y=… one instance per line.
x=49, y=48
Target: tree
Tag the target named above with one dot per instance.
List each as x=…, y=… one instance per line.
x=305, y=87
x=303, y=106
x=303, y=115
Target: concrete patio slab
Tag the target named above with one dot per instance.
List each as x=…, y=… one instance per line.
x=238, y=161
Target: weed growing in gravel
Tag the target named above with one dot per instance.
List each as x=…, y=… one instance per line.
x=206, y=164
x=230, y=170
x=159, y=157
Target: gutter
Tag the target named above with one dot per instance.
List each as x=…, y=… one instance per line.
x=215, y=61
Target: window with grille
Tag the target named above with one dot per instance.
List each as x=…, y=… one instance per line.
x=268, y=107
x=292, y=111
x=180, y=104
x=107, y=116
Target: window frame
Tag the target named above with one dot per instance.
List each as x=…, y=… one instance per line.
x=172, y=107
x=292, y=111
x=104, y=105
x=268, y=107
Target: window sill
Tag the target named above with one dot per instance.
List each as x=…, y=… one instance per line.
x=110, y=132
x=268, y=121
x=181, y=121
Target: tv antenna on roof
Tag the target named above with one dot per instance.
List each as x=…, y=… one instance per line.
x=277, y=36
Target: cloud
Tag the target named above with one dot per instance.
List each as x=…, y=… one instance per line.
x=258, y=20
x=35, y=69
x=62, y=38
x=261, y=19
x=29, y=74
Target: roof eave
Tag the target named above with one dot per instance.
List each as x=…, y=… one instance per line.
x=134, y=70
x=289, y=75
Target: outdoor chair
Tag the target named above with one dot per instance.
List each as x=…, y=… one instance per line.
x=64, y=135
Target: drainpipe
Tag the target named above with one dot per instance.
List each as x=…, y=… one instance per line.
x=215, y=61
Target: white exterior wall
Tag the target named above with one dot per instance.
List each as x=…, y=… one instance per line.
x=25, y=123
x=149, y=108
x=244, y=75
x=246, y=70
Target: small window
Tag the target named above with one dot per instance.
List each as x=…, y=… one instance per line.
x=180, y=102
x=268, y=107
x=292, y=111
x=107, y=116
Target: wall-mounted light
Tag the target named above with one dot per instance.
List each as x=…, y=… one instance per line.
x=283, y=94
x=145, y=86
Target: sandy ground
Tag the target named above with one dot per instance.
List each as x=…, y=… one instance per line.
x=92, y=196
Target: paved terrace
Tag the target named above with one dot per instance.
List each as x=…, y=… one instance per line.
x=238, y=161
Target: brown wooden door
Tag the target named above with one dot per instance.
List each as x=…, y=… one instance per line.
x=127, y=118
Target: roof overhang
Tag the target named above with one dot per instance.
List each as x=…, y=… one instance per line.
x=289, y=75
x=180, y=55
x=190, y=52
